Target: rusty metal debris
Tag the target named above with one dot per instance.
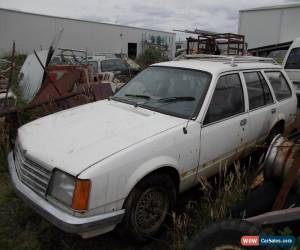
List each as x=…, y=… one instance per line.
x=215, y=43
x=282, y=165
x=63, y=87
x=51, y=87
x=12, y=63
x=289, y=182
x=7, y=98
x=32, y=73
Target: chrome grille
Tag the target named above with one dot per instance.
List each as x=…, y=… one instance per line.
x=30, y=173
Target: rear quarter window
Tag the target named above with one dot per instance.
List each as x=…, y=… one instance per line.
x=258, y=91
x=279, y=84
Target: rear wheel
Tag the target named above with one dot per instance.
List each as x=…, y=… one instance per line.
x=147, y=207
x=276, y=130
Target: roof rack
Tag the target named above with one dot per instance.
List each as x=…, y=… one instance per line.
x=230, y=59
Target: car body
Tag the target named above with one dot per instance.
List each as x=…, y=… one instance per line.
x=115, y=63
x=102, y=64
x=291, y=64
x=82, y=168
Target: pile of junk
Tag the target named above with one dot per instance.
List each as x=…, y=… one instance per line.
x=7, y=98
x=272, y=204
x=55, y=79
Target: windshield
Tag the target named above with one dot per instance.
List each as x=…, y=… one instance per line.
x=113, y=65
x=174, y=91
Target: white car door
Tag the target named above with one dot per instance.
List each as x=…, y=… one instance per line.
x=224, y=125
x=262, y=108
x=287, y=102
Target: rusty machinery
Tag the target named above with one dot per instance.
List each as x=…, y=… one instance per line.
x=282, y=165
x=62, y=87
x=214, y=43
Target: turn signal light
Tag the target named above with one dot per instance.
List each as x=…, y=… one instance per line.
x=81, y=195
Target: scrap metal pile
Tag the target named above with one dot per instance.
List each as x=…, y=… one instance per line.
x=66, y=85
x=274, y=202
x=49, y=87
x=7, y=98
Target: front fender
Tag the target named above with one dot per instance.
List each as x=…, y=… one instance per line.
x=148, y=167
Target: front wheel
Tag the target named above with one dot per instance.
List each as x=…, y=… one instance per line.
x=147, y=207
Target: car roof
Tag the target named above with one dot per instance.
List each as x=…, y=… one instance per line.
x=217, y=67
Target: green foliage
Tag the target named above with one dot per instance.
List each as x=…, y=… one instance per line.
x=285, y=232
x=158, y=40
x=297, y=246
x=150, y=56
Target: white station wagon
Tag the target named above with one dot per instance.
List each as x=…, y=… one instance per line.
x=122, y=162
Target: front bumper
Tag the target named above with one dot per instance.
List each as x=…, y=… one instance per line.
x=61, y=219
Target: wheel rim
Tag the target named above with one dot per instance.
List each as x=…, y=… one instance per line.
x=151, y=210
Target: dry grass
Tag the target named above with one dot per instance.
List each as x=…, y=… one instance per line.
x=218, y=195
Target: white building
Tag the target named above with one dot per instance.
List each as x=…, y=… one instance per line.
x=33, y=31
x=270, y=28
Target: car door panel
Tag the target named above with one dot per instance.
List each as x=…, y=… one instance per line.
x=262, y=107
x=221, y=142
x=224, y=126
x=286, y=106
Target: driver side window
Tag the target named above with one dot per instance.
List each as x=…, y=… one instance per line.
x=227, y=100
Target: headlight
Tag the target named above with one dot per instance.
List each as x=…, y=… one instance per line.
x=69, y=190
x=62, y=186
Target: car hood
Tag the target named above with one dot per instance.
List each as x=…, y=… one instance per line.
x=75, y=139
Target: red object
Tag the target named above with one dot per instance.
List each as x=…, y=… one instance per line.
x=249, y=240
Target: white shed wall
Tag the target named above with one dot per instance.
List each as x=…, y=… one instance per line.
x=269, y=26
x=31, y=31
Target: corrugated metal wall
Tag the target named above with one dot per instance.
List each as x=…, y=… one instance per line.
x=32, y=31
x=269, y=26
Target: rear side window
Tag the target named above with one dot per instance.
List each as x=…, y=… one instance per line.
x=258, y=91
x=227, y=100
x=279, y=84
x=293, y=61
x=267, y=91
x=109, y=65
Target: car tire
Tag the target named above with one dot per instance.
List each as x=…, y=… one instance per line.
x=224, y=235
x=273, y=133
x=247, y=208
x=147, y=207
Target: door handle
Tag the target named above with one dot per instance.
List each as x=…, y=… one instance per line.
x=273, y=111
x=243, y=122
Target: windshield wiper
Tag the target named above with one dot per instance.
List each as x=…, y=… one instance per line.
x=177, y=99
x=139, y=96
